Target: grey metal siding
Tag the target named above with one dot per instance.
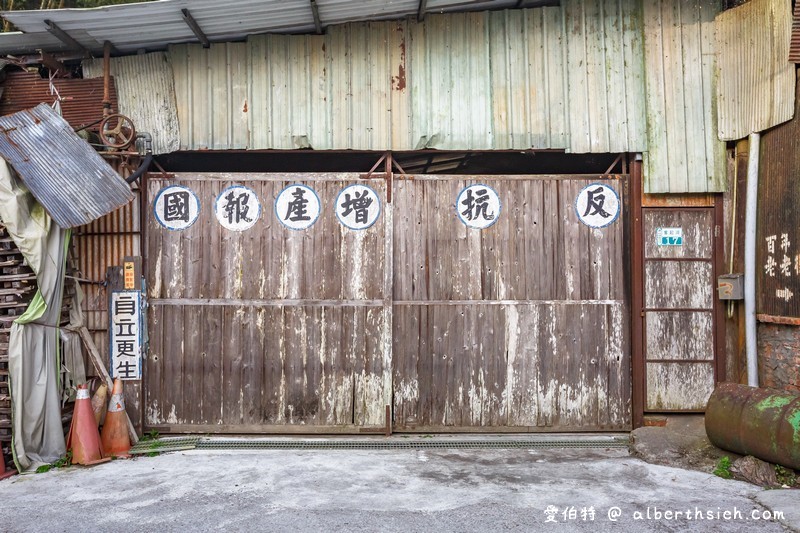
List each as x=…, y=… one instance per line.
x=756, y=81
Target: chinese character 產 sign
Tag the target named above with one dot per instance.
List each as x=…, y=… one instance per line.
x=125, y=334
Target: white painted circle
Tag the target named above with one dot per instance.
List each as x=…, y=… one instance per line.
x=237, y=208
x=597, y=205
x=358, y=206
x=297, y=207
x=176, y=207
x=478, y=206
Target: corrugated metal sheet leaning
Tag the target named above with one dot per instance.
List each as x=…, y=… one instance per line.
x=756, y=82
x=71, y=181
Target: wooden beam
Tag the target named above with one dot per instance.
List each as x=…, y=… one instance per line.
x=195, y=27
x=56, y=66
x=65, y=38
x=423, y=5
x=315, y=12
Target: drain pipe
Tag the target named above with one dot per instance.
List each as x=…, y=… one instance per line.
x=751, y=209
x=148, y=158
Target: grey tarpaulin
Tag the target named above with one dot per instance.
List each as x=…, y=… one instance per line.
x=72, y=356
x=38, y=436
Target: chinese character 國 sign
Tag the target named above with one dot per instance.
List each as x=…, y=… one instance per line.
x=125, y=335
x=669, y=236
x=237, y=208
x=297, y=207
x=597, y=205
x=478, y=206
x=176, y=207
x=358, y=207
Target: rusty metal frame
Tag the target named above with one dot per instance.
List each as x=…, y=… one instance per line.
x=720, y=353
x=637, y=298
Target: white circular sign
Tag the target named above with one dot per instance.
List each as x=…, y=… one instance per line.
x=358, y=206
x=478, y=206
x=597, y=205
x=176, y=207
x=237, y=208
x=297, y=207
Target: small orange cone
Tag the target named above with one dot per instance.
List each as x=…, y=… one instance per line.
x=3, y=473
x=115, y=437
x=84, y=439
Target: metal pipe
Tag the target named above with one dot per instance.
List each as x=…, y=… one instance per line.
x=148, y=159
x=106, y=78
x=751, y=210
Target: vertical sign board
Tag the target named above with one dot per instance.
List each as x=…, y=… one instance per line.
x=126, y=321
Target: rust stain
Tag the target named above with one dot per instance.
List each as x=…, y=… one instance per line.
x=399, y=81
x=244, y=109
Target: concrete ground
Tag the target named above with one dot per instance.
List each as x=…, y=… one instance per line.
x=390, y=490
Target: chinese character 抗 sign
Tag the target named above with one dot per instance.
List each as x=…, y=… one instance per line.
x=478, y=206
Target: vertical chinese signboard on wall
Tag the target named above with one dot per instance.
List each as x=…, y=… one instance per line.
x=126, y=321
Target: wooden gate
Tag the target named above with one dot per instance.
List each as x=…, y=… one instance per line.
x=523, y=326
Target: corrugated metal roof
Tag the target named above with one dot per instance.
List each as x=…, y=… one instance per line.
x=147, y=95
x=154, y=25
x=684, y=154
x=565, y=78
x=756, y=87
x=81, y=100
x=794, y=46
x=71, y=181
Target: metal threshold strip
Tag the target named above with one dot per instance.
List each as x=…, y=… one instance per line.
x=416, y=443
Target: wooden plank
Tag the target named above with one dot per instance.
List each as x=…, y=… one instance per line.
x=675, y=285
x=679, y=335
x=679, y=386
x=698, y=235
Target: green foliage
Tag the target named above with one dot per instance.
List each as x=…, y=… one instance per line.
x=31, y=5
x=786, y=476
x=723, y=468
x=150, y=435
x=62, y=462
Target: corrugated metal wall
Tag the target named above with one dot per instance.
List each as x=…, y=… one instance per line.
x=684, y=154
x=569, y=77
x=146, y=94
x=566, y=78
x=756, y=88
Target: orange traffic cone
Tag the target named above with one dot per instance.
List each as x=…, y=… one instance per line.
x=3, y=473
x=84, y=439
x=115, y=437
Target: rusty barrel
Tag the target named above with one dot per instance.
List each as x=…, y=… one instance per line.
x=764, y=423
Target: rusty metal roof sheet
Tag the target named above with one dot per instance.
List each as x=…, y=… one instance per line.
x=794, y=46
x=81, y=100
x=71, y=181
x=153, y=25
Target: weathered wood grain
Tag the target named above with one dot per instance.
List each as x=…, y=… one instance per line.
x=679, y=386
x=698, y=233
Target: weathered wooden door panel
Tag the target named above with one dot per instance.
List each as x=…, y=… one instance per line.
x=268, y=328
x=679, y=306
x=521, y=325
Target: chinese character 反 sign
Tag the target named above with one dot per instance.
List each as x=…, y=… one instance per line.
x=597, y=205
